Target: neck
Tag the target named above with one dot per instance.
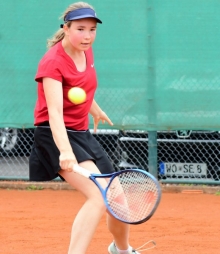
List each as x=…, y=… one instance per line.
x=73, y=53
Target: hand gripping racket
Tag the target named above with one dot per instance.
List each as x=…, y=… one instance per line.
x=131, y=195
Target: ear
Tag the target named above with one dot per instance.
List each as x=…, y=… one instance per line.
x=65, y=28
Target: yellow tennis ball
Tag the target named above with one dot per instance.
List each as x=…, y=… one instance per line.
x=77, y=95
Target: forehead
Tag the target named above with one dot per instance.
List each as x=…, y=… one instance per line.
x=84, y=22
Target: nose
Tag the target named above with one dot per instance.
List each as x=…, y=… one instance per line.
x=87, y=34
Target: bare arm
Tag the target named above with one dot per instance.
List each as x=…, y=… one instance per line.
x=98, y=115
x=54, y=98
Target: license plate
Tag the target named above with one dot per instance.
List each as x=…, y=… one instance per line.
x=199, y=169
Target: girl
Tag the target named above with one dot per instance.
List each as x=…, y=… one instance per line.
x=62, y=138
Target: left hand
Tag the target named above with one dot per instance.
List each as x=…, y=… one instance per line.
x=101, y=117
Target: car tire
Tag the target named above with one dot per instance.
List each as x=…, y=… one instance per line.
x=9, y=141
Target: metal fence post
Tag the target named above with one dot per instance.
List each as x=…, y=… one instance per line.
x=152, y=153
x=152, y=135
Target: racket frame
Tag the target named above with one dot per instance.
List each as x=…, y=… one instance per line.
x=92, y=176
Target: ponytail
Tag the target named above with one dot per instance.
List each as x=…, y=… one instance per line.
x=58, y=36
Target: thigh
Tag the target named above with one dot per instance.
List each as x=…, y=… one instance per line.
x=83, y=184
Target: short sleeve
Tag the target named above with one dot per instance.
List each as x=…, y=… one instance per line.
x=48, y=68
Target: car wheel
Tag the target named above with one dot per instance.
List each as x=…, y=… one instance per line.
x=9, y=138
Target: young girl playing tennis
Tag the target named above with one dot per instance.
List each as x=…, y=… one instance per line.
x=62, y=138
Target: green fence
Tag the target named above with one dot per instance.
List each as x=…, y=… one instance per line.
x=157, y=61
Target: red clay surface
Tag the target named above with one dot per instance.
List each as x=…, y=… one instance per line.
x=39, y=222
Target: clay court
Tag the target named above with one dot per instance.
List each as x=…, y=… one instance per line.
x=39, y=222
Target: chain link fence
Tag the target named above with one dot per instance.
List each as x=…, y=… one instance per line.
x=181, y=156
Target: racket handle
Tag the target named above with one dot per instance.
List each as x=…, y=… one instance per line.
x=82, y=171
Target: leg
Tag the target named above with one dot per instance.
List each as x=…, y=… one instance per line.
x=91, y=212
x=120, y=232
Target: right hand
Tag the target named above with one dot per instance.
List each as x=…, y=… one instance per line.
x=67, y=160
x=101, y=116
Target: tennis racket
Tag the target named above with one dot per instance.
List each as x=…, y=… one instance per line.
x=131, y=195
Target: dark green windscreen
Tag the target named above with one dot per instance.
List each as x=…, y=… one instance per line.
x=157, y=61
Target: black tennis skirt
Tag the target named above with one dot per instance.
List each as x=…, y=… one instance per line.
x=44, y=158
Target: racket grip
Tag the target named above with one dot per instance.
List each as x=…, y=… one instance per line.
x=82, y=171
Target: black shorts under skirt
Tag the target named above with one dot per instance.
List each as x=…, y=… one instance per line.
x=44, y=158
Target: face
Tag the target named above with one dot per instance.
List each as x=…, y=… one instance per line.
x=81, y=34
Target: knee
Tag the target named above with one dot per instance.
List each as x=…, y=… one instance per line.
x=98, y=203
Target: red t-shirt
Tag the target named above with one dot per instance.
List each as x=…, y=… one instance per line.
x=56, y=64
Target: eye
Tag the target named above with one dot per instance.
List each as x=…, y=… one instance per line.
x=80, y=29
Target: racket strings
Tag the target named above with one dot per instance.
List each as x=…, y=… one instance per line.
x=132, y=196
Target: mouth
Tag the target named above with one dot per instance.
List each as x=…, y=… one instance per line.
x=85, y=44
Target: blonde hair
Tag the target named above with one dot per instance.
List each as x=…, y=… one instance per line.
x=59, y=35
